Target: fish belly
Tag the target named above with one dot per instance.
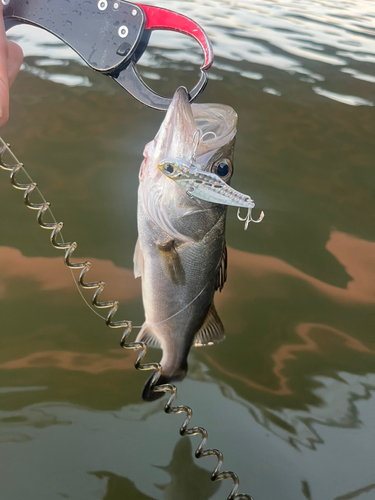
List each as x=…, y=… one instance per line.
x=176, y=302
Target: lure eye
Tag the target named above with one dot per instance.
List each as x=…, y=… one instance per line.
x=169, y=168
x=223, y=168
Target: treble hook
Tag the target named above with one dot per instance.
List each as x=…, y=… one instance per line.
x=248, y=217
x=197, y=138
x=196, y=141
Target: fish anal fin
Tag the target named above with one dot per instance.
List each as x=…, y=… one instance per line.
x=212, y=330
x=221, y=271
x=147, y=336
x=171, y=262
x=138, y=260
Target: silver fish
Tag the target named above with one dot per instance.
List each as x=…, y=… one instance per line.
x=181, y=252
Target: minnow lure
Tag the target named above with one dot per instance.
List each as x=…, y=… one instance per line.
x=207, y=186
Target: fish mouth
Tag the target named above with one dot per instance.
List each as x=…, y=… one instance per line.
x=175, y=136
x=192, y=130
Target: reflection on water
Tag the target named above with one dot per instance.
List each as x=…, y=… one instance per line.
x=109, y=472
x=357, y=493
x=289, y=395
x=310, y=338
x=70, y=80
x=187, y=479
x=118, y=486
x=47, y=274
x=289, y=352
x=345, y=99
x=108, y=451
x=336, y=405
x=73, y=361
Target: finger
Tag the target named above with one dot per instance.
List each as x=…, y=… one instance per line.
x=3, y=47
x=4, y=85
x=4, y=104
x=15, y=58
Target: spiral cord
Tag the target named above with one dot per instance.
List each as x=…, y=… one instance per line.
x=58, y=242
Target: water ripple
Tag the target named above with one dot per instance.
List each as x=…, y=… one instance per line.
x=345, y=99
x=315, y=39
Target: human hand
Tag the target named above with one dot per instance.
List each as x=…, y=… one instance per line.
x=10, y=61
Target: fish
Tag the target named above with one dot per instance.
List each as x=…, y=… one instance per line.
x=181, y=253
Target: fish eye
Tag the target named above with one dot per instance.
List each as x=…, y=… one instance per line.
x=223, y=168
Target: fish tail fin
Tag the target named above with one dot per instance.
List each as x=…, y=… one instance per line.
x=149, y=394
x=172, y=369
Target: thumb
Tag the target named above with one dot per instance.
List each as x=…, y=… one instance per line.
x=15, y=57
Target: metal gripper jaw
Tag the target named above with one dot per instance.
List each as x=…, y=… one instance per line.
x=110, y=36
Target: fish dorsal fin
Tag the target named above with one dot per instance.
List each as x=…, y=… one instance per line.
x=171, y=262
x=221, y=272
x=138, y=260
x=147, y=336
x=212, y=330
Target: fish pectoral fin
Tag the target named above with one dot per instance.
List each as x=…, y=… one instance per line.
x=147, y=336
x=138, y=260
x=171, y=262
x=221, y=271
x=212, y=330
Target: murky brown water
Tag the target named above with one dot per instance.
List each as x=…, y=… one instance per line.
x=288, y=397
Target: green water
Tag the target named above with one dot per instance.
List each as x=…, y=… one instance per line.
x=289, y=396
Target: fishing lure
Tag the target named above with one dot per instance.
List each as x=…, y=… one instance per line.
x=207, y=186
